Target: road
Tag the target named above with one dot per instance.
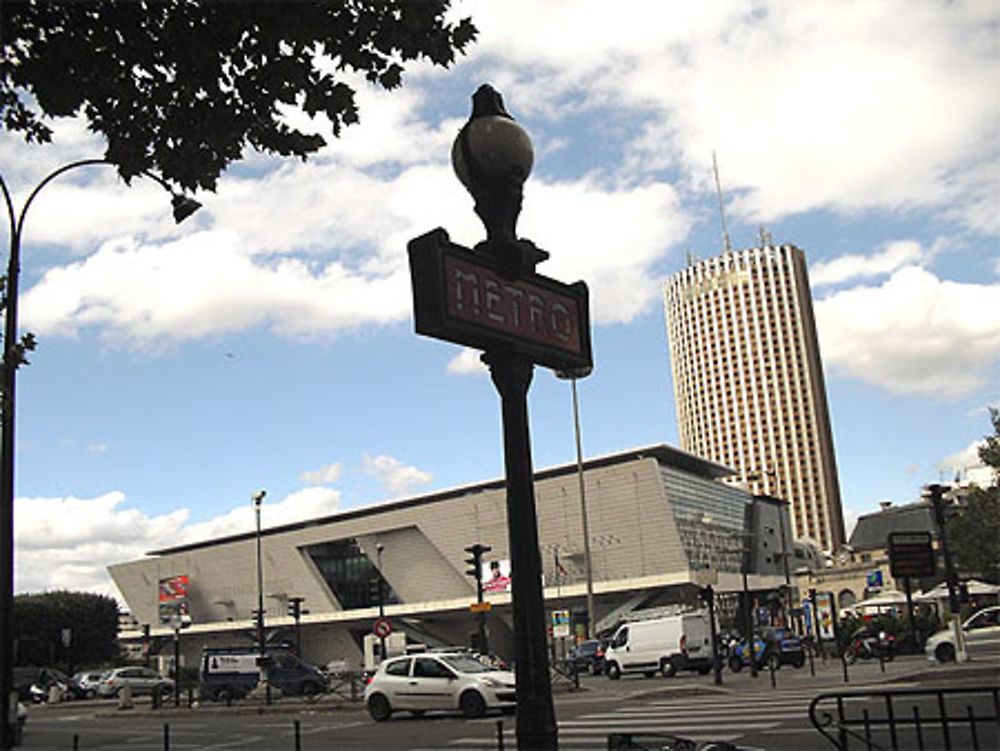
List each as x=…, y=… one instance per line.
x=744, y=710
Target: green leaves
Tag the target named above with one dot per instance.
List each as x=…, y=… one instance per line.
x=182, y=87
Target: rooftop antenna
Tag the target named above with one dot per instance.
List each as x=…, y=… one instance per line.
x=727, y=246
x=764, y=237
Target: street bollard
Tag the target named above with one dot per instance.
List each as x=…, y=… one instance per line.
x=499, y=735
x=843, y=661
x=125, y=697
x=166, y=737
x=298, y=736
x=76, y=742
x=770, y=664
x=812, y=660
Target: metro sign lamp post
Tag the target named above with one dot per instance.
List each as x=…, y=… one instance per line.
x=490, y=298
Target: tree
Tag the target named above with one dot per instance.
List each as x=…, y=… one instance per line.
x=974, y=532
x=183, y=87
x=989, y=452
x=39, y=620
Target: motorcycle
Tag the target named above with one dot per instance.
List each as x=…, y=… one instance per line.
x=870, y=646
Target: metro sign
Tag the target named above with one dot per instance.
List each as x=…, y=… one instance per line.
x=465, y=297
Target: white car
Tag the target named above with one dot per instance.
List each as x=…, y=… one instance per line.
x=982, y=637
x=423, y=682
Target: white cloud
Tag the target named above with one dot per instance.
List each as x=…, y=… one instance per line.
x=893, y=256
x=325, y=475
x=809, y=105
x=913, y=334
x=850, y=521
x=467, y=362
x=395, y=477
x=67, y=543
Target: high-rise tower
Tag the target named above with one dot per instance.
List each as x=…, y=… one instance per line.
x=748, y=381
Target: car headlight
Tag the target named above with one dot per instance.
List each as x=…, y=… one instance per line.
x=493, y=682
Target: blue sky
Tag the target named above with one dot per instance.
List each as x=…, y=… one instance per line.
x=267, y=342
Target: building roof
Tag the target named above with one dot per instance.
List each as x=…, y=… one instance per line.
x=665, y=455
x=872, y=530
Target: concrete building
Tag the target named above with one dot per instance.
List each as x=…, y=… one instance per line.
x=656, y=516
x=748, y=381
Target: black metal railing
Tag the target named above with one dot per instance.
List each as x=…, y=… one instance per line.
x=921, y=719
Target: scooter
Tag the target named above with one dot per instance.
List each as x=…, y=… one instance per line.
x=869, y=646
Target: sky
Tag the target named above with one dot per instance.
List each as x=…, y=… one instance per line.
x=267, y=342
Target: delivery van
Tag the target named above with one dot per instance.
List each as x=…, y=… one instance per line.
x=668, y=644
x=232, y=672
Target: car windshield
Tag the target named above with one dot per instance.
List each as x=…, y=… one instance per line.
x=465, y=664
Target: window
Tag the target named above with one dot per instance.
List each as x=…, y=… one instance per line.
x=398, y=668
x=350, y=574
x=428, y=667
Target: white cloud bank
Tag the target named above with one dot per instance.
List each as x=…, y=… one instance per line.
x=913, y=334
x=67, y=543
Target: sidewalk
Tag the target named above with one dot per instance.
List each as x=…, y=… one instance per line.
x=829, y=676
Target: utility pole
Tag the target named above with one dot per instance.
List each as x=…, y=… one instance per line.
x=476, y=572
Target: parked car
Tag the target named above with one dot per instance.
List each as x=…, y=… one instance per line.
x=85, y=684
x=588, y=657
x=676, y=642
x=433, y=681
x=232, y=672
x=982, y=637
x=141, y=680
x=772, y=647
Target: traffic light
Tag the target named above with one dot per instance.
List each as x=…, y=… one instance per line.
x=476, y=561
x=295, y=607
x=375, y=589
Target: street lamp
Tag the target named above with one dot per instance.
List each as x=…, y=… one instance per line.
x=572, y=376
x=492, y=157
x=13, y=356
x=258, y=499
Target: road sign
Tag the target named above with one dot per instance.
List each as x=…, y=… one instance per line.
x=382, y=628
x=481, y=607
x=911, y=554
x=468, y=298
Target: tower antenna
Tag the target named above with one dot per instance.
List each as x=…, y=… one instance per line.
x=727, y=246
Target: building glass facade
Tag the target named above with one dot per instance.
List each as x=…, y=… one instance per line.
x=351, y=576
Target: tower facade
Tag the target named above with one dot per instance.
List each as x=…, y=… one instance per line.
x=748, y=380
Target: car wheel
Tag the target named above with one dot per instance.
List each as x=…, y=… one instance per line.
x=614, y=672
x=592, y=668
x=735, y=664
x=774, y=662
x=668, y=669
x=799, y=662
x=705, y=670
x=472, y=704
x=945, y=652
x=378, y=708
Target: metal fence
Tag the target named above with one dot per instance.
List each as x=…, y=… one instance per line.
x=923, y=719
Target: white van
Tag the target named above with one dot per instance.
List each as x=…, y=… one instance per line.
x=676, y=642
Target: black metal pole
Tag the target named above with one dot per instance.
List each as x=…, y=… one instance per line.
x=748, y=620
x=381, y=598
x=535, y=721
x=914, y=641
x=716, y=657
x=177, y=667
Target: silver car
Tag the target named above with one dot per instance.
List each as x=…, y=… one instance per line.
x=982, y=637
x=141, y=680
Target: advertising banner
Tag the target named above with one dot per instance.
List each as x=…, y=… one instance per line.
x=174, y=598
x=560, y=623
x=496, y=576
